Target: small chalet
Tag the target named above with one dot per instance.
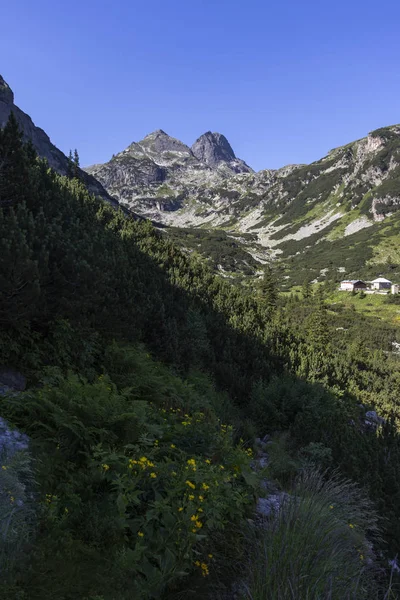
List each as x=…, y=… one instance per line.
x=350, y=285
x=381, y=284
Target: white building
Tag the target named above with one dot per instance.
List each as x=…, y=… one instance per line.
x=348, y=285
x=395, y=288
x=381, y=284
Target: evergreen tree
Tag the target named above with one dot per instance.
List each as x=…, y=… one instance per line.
x=267, y=290
x=318, y=329
x=73, y=168
x=14, y=165
x=306, y=289
x=76, y=158
x=70, y=166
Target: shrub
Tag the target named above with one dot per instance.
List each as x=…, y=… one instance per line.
x=133, y=492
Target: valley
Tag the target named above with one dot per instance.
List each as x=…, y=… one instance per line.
x=188, y=405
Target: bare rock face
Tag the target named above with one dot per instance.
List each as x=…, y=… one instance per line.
x=6, y=93
x=159, y=141
x=213, y=149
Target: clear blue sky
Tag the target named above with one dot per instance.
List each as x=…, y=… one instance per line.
x=284, y=81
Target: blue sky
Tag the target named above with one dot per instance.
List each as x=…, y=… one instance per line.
x=284, y=82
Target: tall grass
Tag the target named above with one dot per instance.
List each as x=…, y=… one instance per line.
x=316, y=548
x=16, y=512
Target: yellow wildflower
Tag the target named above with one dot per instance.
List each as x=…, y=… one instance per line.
x=331, y=506
x=208, y=461
x=205, y=486
x=351, y=525
x=4, y=468
x=194, y=518
x=153, y=475
x=191, y=497
x=210, y=556
x=140, y=534
x=180, y=509
x=105, y=467
x=201, y=498
x=190, y=484
x=199, y=524
x=173, y=446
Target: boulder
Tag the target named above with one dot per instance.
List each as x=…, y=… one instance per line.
x=372, y=419
x=268, y=507
x=12, y=379
x=11, y=440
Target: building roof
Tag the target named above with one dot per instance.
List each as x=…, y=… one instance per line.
x=381, y=280
x=352, y=281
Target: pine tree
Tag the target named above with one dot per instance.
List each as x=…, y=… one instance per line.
x=76, y=158
x=267, y=290
x=73, y=168
x=14, y=164
x=318, y=333
x=70, y=166
x=306, y=289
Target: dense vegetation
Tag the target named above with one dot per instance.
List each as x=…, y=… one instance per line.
x=149, y=379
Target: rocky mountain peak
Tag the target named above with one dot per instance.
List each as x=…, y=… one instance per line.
x=6, y=93
x=159, y=141
x=213, y=148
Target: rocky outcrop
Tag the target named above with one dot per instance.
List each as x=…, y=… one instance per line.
x=213, y=149
x=16, y=479
x=11, y=441
x=12, y=379
x=6, y=93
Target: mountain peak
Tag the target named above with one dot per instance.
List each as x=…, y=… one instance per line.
x=156, y=133
x=159, y=141
x=6, y=93
x=213, y=148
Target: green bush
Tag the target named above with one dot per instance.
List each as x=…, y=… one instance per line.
x=148, y=485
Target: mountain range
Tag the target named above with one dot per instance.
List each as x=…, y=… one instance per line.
x=339, y=214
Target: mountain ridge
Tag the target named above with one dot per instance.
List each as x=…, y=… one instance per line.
x=41, y=141
x=277, y=214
